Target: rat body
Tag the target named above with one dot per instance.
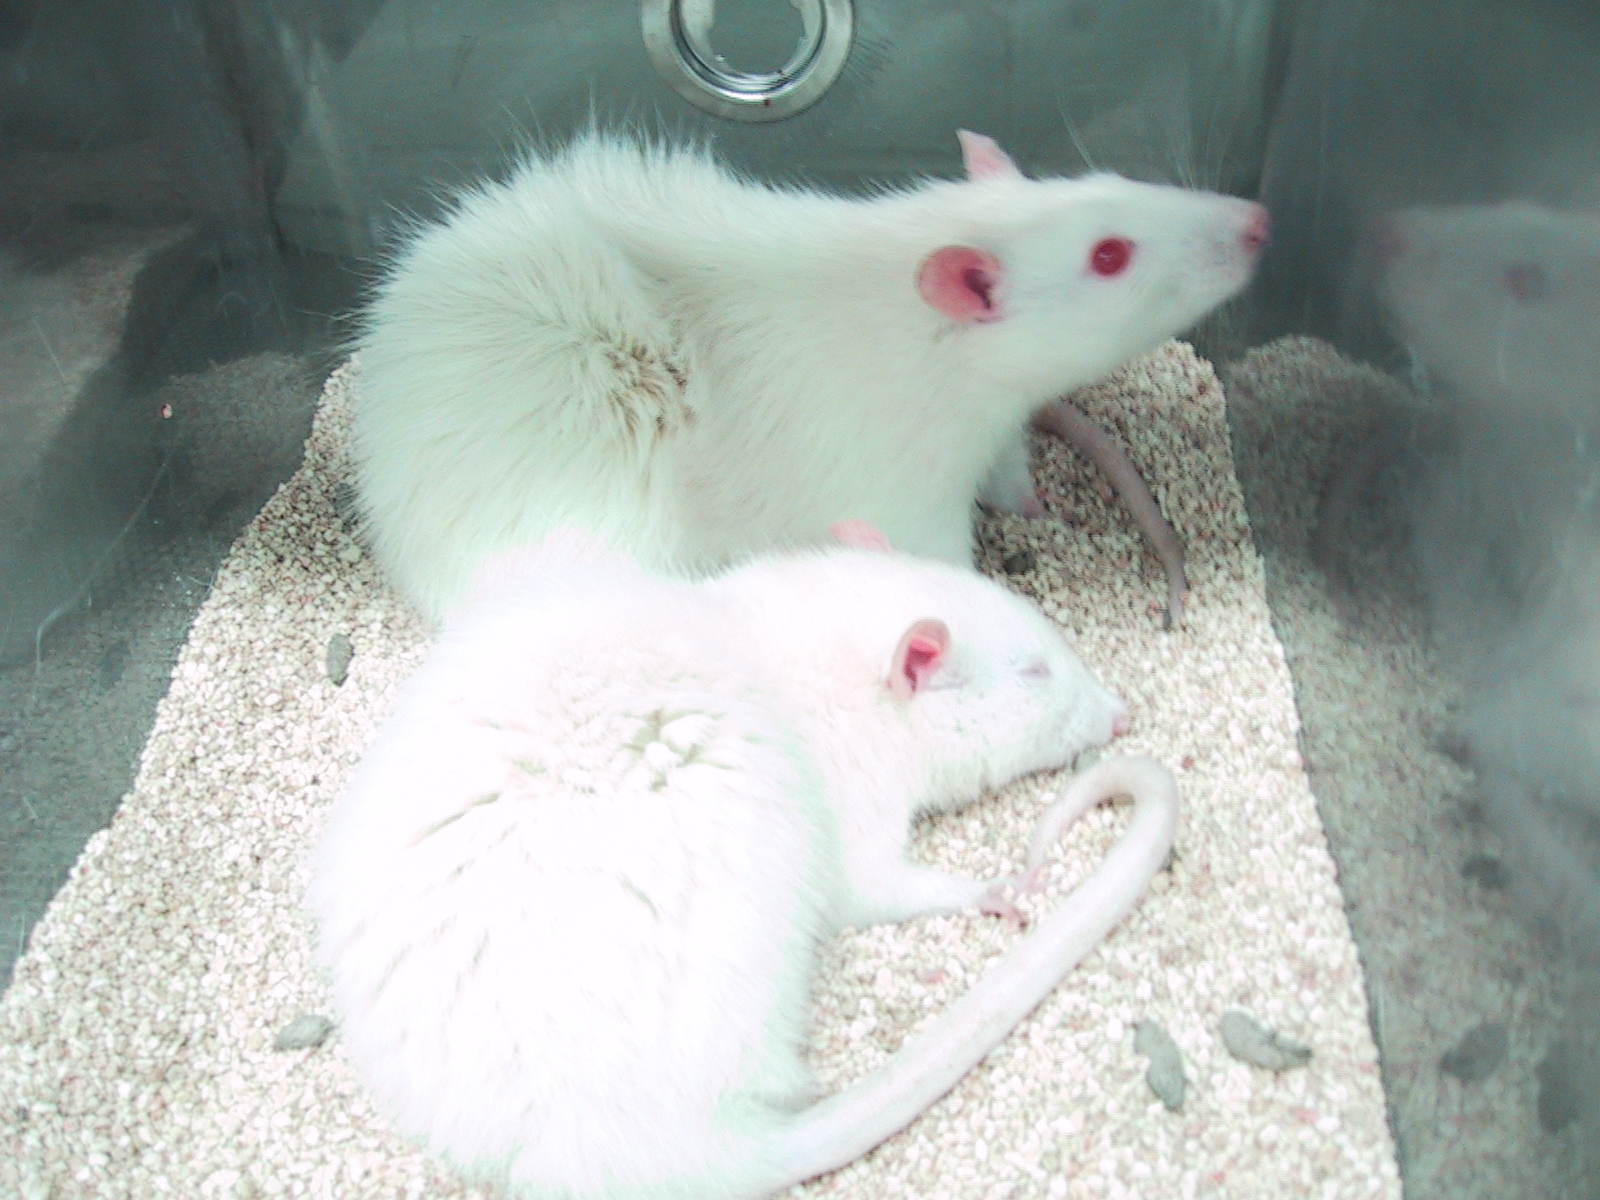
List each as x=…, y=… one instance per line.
x=571, y=900
x=698, y=368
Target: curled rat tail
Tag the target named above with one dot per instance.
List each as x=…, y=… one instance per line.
x=837, y=1131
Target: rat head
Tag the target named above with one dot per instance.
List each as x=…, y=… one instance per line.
x=989, y=689
x=1063, y=280
x=926, y=670
x=1501, y=301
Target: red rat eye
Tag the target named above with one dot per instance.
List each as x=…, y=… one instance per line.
x=1111, y=256
x=1526, y=281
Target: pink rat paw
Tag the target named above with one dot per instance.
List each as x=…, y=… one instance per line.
x=1030, y=882
x=994, y=903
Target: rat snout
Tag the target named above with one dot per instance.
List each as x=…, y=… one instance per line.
x=1257, y=231
x=1237, y=231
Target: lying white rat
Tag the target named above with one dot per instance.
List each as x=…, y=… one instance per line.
x=699, y=368
x=571, y=900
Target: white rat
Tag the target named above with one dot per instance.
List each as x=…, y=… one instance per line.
x=571, y=900
x=1500, y=301
x=698, y=368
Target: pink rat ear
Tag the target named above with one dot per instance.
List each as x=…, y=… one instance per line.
x=860, y=535
x=960, y=282
x=918, y=656
x=983, y=157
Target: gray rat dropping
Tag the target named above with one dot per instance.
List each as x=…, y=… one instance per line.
x=1165, y=1075
x=340, y=653
x=1479, y=1053
x=303, y=1033
x=1249, y=1042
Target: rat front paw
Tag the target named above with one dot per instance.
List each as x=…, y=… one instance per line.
x=995, y=903
x=1025, y=883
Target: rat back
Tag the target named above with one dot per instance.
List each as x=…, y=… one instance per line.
x=517, y=374
x=570, y=900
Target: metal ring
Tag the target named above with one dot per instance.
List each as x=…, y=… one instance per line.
x=680, y=46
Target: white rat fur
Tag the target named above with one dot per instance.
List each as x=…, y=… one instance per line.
x=1500, y=301
x=698, y=368
x=571, y=899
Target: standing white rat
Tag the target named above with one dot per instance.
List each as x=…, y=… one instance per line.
x=699, y=368
x=571, y=900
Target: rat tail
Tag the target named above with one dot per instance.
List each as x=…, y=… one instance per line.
x=840, y=1129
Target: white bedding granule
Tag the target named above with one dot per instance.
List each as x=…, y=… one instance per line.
x=136, y=1040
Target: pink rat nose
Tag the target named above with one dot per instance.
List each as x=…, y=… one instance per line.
x=1120, y=723
x=1258, y=232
